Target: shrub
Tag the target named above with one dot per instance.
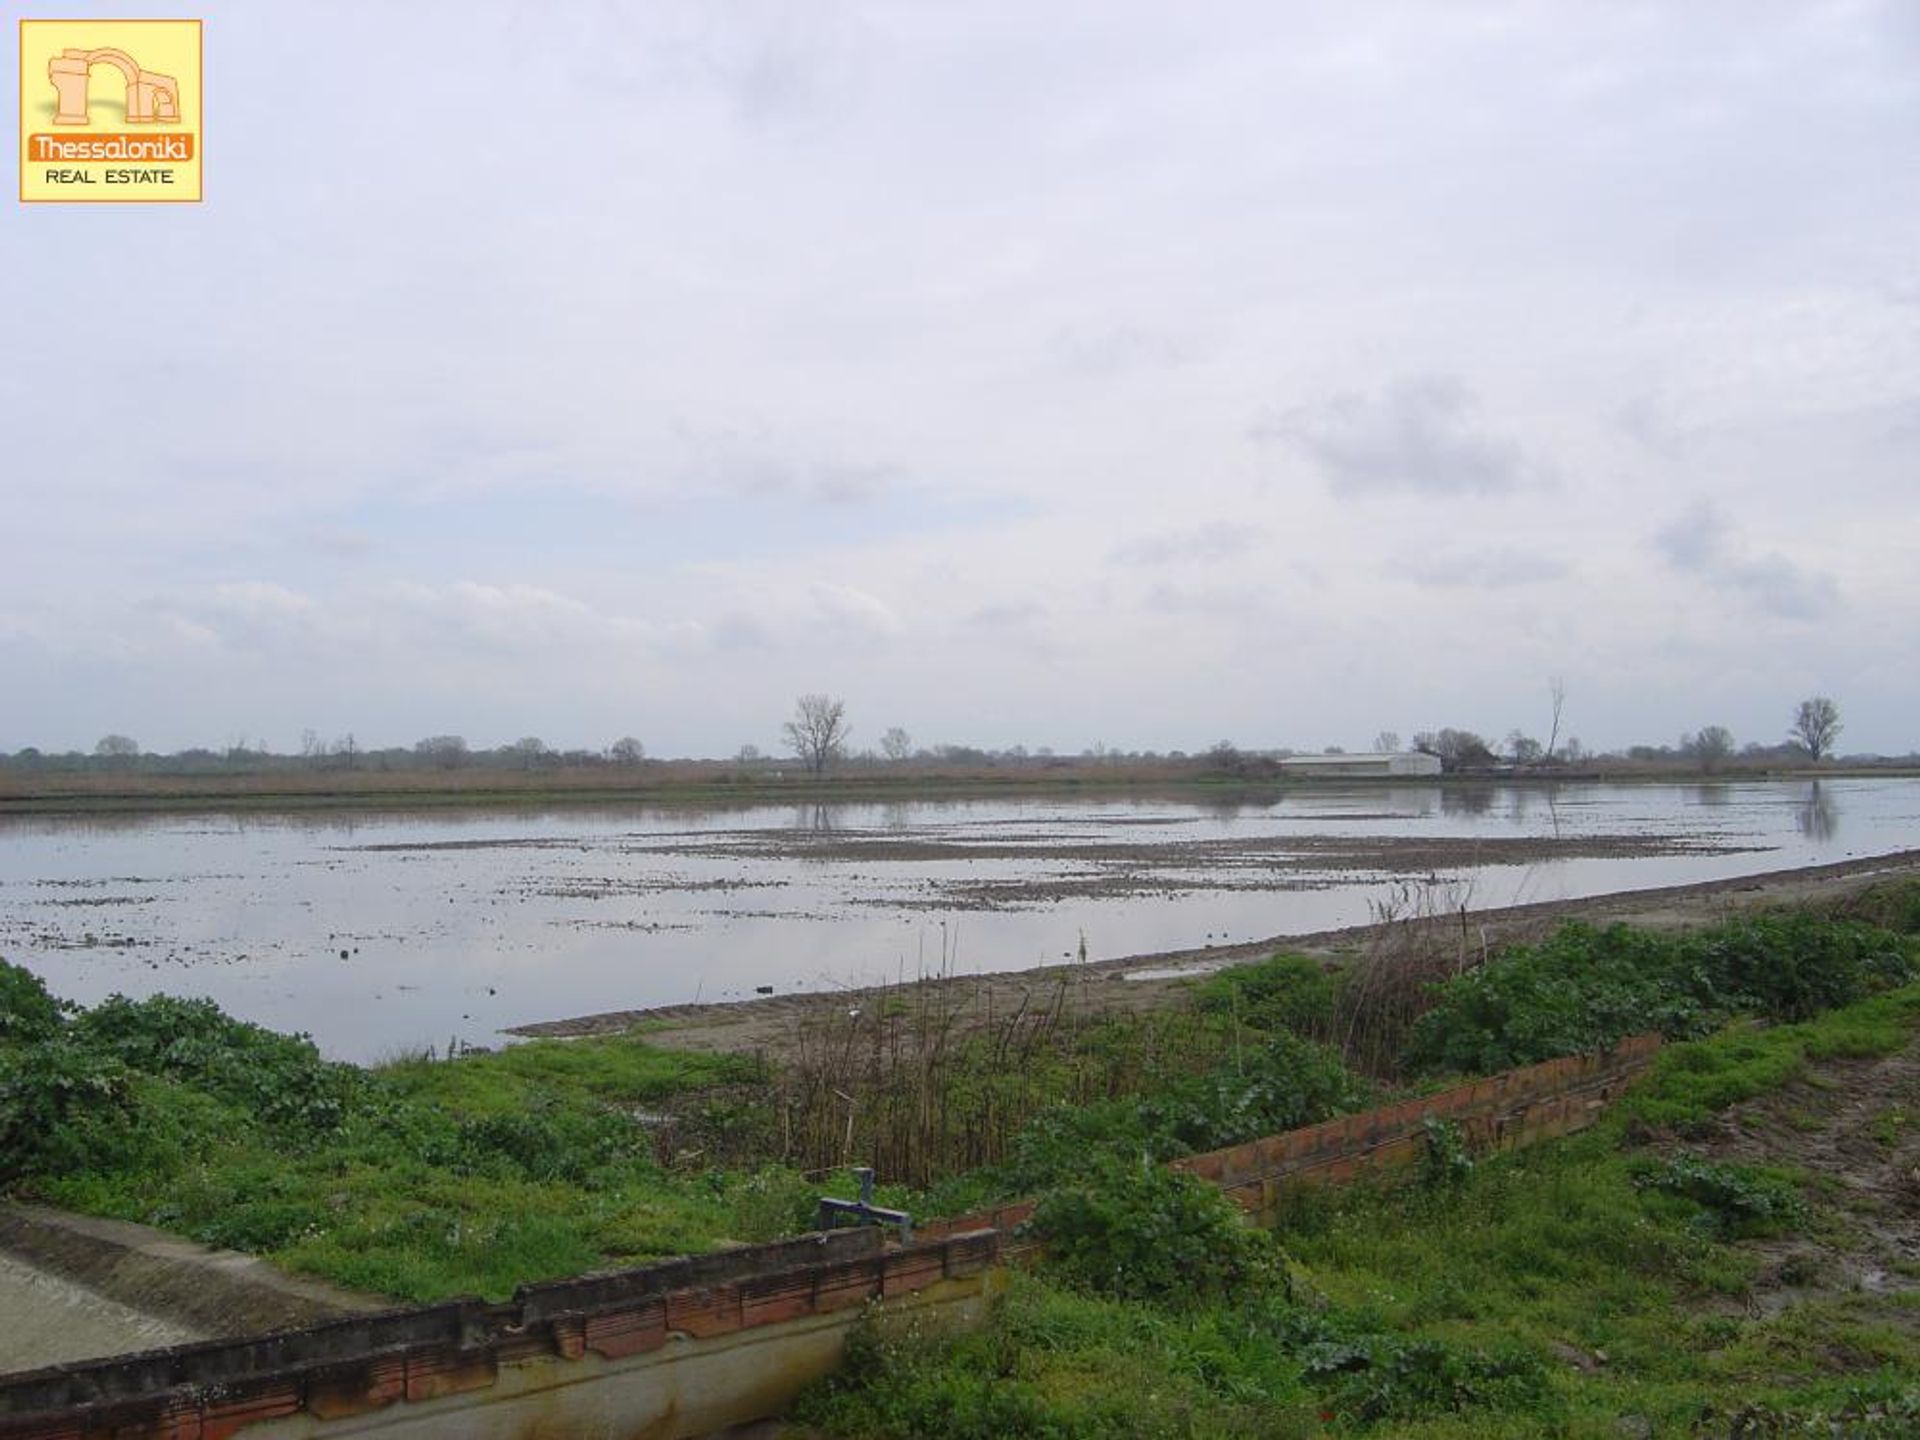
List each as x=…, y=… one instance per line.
x=278, y=1079
x=27, y=1011
x=1287, y=992
x=1583, y=988
x=1279, y=1085
x=1136, y=1231
x=1790, y=967
x=50, y=1092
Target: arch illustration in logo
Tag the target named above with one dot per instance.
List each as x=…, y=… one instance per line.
x=151, y=99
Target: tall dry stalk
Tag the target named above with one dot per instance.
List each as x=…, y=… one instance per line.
x=1422, y=934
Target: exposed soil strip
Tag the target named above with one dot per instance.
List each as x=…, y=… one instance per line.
x=1145, y=982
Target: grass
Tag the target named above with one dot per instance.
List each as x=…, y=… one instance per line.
x=417, y=1180
x=425, y=1179
x=1551, y=1291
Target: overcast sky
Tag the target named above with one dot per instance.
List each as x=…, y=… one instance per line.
x=1054, y=374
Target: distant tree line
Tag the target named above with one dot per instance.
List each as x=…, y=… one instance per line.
x=819, y=735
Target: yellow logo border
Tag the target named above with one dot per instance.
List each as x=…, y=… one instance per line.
x=198, y=132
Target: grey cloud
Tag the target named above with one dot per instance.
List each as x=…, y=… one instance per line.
x=736, y=631
x=344, y=544
x=1904, y=427
x=1499, y=568
x=1649, y=421
x=1216, y=601
x=1696, y=540
x=772, y=63
x=247, y=615
x=1216, y=540
x=1009, y=615
x=1118, y=348
x=1783, y=588
x=1703, y=543
x=1418, y=436
x=1014, y=626
x=1903, y=289
x=751, y=462
x=512, y=618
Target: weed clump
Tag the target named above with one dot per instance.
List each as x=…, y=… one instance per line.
x=1735, y=1201
x=419, y=1180
x=1286, y=992
x=1280, y=1084
x=1585, y=988
x=1137, y=1231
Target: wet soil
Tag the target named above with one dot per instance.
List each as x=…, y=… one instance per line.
x=1853, y=1128
x=1145, y=982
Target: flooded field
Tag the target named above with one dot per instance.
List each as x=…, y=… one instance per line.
x=385, y=932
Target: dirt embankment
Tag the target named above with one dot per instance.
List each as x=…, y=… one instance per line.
x=1146, y=982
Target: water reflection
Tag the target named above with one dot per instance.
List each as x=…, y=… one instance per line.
x=1225, y=807
x=1466, y=800
x=1818, y=817
x=459, y=920
x=1415, y=801
x=817, y=818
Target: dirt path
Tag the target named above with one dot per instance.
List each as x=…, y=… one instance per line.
x=1145, y=982
x=1854, y=1126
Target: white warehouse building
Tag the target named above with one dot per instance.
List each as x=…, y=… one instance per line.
x=1384, y=763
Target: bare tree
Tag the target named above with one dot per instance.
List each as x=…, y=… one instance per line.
x=1557, y=692
x=626, y=751
x=896, y=744
x=1386, y=742
x=818, y=731
x=1816, y=725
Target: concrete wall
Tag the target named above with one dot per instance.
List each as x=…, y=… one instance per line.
x=696, y=1346
x=683, y=1349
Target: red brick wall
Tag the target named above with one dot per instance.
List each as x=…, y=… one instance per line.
x=1517, y=1107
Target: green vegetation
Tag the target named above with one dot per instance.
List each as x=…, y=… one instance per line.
x=418, y=1180
x=1585, y=988
x=1561, y=1290
x=943, y=1089
x=1552, y=1291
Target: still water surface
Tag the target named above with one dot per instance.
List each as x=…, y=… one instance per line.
x=381, y=932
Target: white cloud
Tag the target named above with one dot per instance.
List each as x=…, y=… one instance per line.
x=1494, y=568
x=844, y=607
x=1216, y=540
x=914, y=357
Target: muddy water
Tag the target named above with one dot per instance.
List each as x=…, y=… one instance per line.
x=385, y=932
